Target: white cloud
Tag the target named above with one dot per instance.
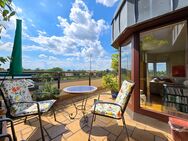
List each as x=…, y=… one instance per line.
x=81, y=34
x=6, y=46
x=81, y=37
x=33, y=48
x=41, y=32
x=107, y=3
x=42, y=56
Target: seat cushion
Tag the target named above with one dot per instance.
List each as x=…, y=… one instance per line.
x=32, y=109
x=107, y=110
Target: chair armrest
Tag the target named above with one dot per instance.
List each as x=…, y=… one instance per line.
x=12, y=129
x=102, y=102
x=3, y=136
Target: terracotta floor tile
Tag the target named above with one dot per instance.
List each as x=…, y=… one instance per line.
x=123, y=137
x=98, y=133
x=57, y=130
x=157, y=138
x=59, y=138
x=75, y=125
x=104, y=129
x=142, y=135
x=79, y=136
x=110, y=137
x=156, y=131
x=35, y=135
x=46, y=139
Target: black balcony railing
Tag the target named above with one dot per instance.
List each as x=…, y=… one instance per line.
x=57, y=77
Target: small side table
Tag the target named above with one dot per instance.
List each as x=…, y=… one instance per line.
x=85, y=90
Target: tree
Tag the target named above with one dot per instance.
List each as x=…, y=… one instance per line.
x=56, y=69
x=6, y=11
x=115, y=62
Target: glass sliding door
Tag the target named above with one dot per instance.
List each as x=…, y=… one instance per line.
x=163, y=69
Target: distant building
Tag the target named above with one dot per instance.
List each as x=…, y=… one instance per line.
x=69, y=74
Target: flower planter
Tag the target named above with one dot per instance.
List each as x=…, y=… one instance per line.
x=114, y=94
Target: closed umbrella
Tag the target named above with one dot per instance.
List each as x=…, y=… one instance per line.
x=16, y=57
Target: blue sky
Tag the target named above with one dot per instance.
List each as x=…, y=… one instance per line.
x=62, y=33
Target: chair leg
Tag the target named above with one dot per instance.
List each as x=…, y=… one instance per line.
x=95, y=117
x=41, y=128
x=25, y=120
x=91, y=126
x=54, y=114
x=124, y=125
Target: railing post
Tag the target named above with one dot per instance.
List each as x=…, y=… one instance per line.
x=89, y=78
x=58, y=80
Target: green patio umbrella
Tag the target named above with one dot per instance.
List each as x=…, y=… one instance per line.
x=16, y=57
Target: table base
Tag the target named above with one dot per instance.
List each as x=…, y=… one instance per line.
x=81, y=107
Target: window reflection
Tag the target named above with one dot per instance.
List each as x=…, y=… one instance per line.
x=163, y=69
x=126, y=62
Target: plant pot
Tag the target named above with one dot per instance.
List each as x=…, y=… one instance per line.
x=114, y=94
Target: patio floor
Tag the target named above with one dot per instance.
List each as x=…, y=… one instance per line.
x=104, y=129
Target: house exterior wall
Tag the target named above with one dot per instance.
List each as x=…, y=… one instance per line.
x=134, y=16
x=132, y=12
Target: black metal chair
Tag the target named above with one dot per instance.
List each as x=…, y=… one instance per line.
x=6, y=135
x=114, y=110
x=19, y=103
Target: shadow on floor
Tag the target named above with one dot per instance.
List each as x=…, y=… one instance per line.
x=135, y=133
x=51, y=129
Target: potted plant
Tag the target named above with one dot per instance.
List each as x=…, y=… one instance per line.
x=110, y=82
x=47, y=91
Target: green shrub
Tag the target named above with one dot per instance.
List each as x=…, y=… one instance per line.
x=48, y=91
x=110, y=82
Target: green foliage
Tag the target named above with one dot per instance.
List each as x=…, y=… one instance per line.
x=56, y=69
x=45, y=77
x=6, y=11
x=48, y=91
x=4, y=60
x=110, y=82
x=149, y=41
x=115, y=62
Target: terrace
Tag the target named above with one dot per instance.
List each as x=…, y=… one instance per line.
x=151, y=40
x=104, y=128
x=141, y=128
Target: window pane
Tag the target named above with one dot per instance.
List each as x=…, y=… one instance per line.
x=161, y=69
x=180, y=3
x=143, y=10
x=126, y=62
x=160, y=7
x=150, y=69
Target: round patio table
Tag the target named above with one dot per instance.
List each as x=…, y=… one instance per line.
x=85, y=90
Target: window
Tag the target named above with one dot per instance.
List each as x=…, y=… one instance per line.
x=163, y=61
x=126, y=62
x=161, y=69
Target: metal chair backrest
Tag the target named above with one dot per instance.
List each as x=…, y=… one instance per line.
x=125, y=94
